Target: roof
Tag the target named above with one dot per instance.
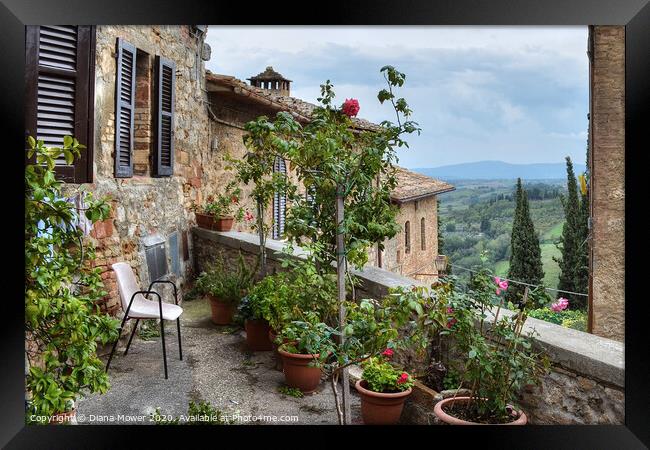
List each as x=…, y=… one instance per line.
x=268, y=75
x=413, y=186
x=300, y=109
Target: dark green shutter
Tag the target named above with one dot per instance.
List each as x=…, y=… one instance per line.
x=124, y=108
x=164, y=117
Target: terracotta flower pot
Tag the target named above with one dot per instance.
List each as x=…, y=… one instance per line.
x=379, y=408
x=68, y=417
x=222, y=312
x=298, y=373
x=439, y=410
x=257, y=335
x=223, y=223
x=205, y=221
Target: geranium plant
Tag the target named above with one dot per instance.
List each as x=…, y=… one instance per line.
x=225, y=204
x=381, y=376
x=62, y=318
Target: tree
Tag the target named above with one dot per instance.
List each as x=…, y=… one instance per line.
x=574, y=271
x=526, y=256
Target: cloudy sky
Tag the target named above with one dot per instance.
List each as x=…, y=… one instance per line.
x=515, y=94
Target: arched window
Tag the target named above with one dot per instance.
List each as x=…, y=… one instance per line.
x=279, y=202
x=407, y=237
x=423, y=235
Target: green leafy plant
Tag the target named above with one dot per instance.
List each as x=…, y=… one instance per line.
x=62, y=320
x=202, y=413
x=225, y=204
x=381, y=376
x=227, y=285
x=308, y=337
x=291, y=392
x=569, y=318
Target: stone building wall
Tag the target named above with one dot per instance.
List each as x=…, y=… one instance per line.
x=607, y=136
x=418, y=260
x=585, y=386
x=144, y=205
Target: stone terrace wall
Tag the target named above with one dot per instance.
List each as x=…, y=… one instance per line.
x=586, y=385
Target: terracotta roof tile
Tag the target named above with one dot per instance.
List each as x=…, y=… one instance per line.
x=413, y=186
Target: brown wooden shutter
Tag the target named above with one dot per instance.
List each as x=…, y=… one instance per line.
x=124, y=108
x=59, y=92
x=164, y=117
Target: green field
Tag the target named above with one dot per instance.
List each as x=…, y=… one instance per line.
x=551, y=268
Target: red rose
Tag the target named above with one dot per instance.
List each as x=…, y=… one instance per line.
x=387, y=353
x=350, y=107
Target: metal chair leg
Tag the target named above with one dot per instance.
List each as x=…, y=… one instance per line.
x=137, y=321
x=108, y=364
x=180, y=348
x=162, y=335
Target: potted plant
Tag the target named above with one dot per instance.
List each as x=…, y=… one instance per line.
x=308, y=346
x=225, y=288
x=251, y=310
x=383, y=389
x=500, y=358
x=221, y=211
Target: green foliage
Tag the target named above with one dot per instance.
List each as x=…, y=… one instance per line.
x=202, y=413
x=62, y=320
x=574, y=264
x=569, y=318
x=381, y=376
x=526, y=256
x=225, y=284
x=225, y=204
x=291, y=392
x=308, y=337
x=499, y=356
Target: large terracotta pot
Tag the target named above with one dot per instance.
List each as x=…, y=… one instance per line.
x=222, y=312
x=223, y=223
x=439, y=411
x=64, y=418
x=257, y=335
x=298, y=373
x=379, y=408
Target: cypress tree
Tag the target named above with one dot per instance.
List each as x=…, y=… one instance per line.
x=574, y=250
x=526, y=254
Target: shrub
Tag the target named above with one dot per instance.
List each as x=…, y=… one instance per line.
x=228, y=286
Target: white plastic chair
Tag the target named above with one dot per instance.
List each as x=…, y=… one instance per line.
x=137, y=306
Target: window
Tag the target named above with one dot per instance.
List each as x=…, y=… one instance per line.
x=423, y=236
x=133, y=110
x=279, y=202
x=407, y=237
x=60, y=84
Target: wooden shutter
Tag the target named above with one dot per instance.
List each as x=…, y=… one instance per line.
x=279, y=202
x=60, y=92
x=124, y=108
x=164, y=117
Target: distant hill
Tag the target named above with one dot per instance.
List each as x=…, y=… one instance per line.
x=499, y=170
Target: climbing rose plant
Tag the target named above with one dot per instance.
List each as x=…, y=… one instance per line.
x=62, y=319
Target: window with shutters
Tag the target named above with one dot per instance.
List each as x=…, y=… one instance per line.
x=279, y=202
x=60, y=92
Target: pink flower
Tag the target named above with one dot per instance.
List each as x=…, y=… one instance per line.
x=450, y=310
x=451, y=322
x=403, y=378
x=248, y=216
x=561, y=304
x=503, y=284
x=387, y=353
x=350, y=107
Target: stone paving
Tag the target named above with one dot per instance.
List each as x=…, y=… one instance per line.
x=216, y=367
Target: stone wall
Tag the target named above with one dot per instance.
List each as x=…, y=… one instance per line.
x=607, y=136
x=586, y=385
x=143, y=205
x=419, y=259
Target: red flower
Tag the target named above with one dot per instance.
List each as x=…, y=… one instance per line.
x=451, y=322
x=350, y=107
x=403, y=378
x=387, y=353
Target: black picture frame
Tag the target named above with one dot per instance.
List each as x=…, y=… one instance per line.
x=634, y=14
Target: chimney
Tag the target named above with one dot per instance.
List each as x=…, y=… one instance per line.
x=272, y=81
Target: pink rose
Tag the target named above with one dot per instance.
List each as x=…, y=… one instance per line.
x=561, y=304
x=350, y=107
